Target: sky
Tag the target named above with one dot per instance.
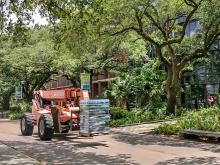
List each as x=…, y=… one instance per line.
x=37, y=19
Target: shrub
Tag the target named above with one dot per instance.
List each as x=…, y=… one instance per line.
x=15, y=115
x=17, y=111
x=204, y=119
x=182, y=111
x=154, y=106
x=139, y=85
x=167, y=129
x=123, y=117
x=117, y=123
x=118, y=113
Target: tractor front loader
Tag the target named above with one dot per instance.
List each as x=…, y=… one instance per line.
x=53, y=111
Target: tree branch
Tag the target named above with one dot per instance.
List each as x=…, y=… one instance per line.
x=198, y=53
x=123, y=31
x=161, y=57
x=141, y=31
x=186, y=22
x=190, y=3
x=156, y=23
x=161, y=29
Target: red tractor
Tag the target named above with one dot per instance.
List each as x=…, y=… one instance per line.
x=53, y=111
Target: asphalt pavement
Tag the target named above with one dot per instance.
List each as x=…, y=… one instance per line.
x=131, y=145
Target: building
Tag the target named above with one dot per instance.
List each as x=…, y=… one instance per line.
x=99, y=81
x=58, y=83
x=204, y=80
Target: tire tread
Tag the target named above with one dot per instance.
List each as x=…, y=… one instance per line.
x=29, y=122
x=49, y=128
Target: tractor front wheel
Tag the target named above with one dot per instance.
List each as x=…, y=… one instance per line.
x=45, y=127
x=27, y=124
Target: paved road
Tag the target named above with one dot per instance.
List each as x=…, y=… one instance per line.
x=125, y=146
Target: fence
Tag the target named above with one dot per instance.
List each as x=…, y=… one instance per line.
x=4, y=115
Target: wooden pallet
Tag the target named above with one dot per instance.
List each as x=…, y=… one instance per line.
x=188, y=133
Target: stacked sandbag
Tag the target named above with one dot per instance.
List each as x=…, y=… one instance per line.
x=94, y=116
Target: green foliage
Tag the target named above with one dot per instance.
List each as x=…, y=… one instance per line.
x=168, y=129
x=19, y=109
x=141, y=85
x=182, y=111
x=32, y=61
x=205, y=119
x=217, y=96
x=15, y=115
x=118, y=113
x=84, y=24
x=123, y=117
x=89, y=28
x=155, y=106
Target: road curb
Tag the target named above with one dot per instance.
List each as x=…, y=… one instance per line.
x=149, y=122
x=4, y=120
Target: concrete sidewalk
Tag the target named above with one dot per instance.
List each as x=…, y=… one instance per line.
x=141, y=128
x=4, y=120
x=9, y=155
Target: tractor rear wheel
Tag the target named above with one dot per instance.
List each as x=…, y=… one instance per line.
x=45, y=127
x=27, y=124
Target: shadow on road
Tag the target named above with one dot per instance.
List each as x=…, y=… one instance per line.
x=7, y=158
x=191, y=160
x=67, y=152
x=149, y=139
x=10, y=156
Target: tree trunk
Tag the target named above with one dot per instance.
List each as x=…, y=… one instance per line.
x=29, y=97
x=128, y=105
x=172, y=87
x=28, y=93
x=171, y=101
x=6, y=102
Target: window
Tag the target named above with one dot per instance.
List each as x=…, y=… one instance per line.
x=152, y=52
x=192, y=27
x=181, y=20
x=216, y=45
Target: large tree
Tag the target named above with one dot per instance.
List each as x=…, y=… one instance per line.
x=154, y=21
x=31, y=61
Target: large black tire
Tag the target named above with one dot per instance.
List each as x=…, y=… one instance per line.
x=45, y=127
x=27, y=124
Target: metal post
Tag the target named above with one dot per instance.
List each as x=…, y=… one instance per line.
x=71, y=120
